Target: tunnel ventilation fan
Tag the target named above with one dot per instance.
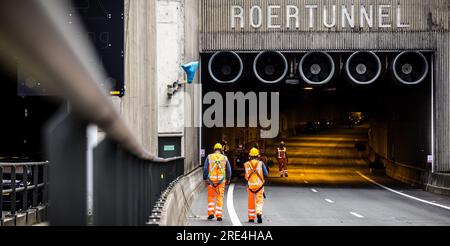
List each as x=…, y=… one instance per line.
x=270, y=67
x=317, y=68
x=410, y=67
x=363, y=67
x=225, y=67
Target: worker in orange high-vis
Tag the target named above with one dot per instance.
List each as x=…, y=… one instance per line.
x=255, y=174
x=216, y=173
x=282, y=159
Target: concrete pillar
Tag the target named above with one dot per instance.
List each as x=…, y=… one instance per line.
x=177, y=38
x=139, y=106
x=191, y=52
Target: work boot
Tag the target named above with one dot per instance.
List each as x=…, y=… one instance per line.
x=251, y=220
x=259, y=218
x=219, y=219
x=286, y=175
x=210, y=217
x=281, y=175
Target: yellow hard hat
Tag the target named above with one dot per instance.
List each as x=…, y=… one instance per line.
x=254, y=152
x=218, y=146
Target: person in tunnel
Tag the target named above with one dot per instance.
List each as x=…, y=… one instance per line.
x=224, y=144
x=255, y=174
x=216, y=173
x=282, y=159
x=262, y=156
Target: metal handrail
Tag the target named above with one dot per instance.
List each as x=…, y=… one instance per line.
x=77, y=78
x=10, y=164
x=29, y=185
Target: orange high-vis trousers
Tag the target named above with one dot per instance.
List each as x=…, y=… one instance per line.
x=216, y=207
x=282, y=166
x=255, y=203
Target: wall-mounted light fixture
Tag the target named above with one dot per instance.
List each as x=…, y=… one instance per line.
x=190, y=69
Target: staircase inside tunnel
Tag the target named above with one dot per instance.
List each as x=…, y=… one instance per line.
x=330, y=128
x=327, y=158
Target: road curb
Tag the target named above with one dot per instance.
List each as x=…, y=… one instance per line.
x=179, y=199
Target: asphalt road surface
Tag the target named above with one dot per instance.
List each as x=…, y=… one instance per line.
x=329, y=184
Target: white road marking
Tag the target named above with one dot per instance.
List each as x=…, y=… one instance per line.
x=230, y=207
x=357, y=215
x=314, y=190
x=402, y=194
x=329, y=201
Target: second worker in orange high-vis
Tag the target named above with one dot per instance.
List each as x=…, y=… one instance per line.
x=216, y=173
x=282, y=159
x=255, y=174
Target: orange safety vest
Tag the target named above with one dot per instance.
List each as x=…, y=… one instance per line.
x=281, y=153
x=254, y=175
x=217, y=168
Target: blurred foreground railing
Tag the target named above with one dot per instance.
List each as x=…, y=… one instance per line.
x=127, y=178
x=126, y=186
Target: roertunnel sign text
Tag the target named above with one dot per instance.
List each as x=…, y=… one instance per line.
x=383, y=16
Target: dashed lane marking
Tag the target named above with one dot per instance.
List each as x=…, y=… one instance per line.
x=329, y=200
x=356, y=215
x=314, y=190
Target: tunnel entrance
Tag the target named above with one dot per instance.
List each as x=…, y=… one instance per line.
x=335, y=108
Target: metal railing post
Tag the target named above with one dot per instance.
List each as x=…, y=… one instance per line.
x=1, y=192
x=13, y=188
x=25, y=186
x=66, y=144
x=35, y=184
x=106, y=171
x=45, y=171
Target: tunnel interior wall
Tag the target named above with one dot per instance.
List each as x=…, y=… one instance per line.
x=404, y=135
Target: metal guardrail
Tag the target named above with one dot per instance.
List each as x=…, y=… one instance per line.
x=25, y=181
x=125, y=186
x=127, y=178
x=133, y=185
